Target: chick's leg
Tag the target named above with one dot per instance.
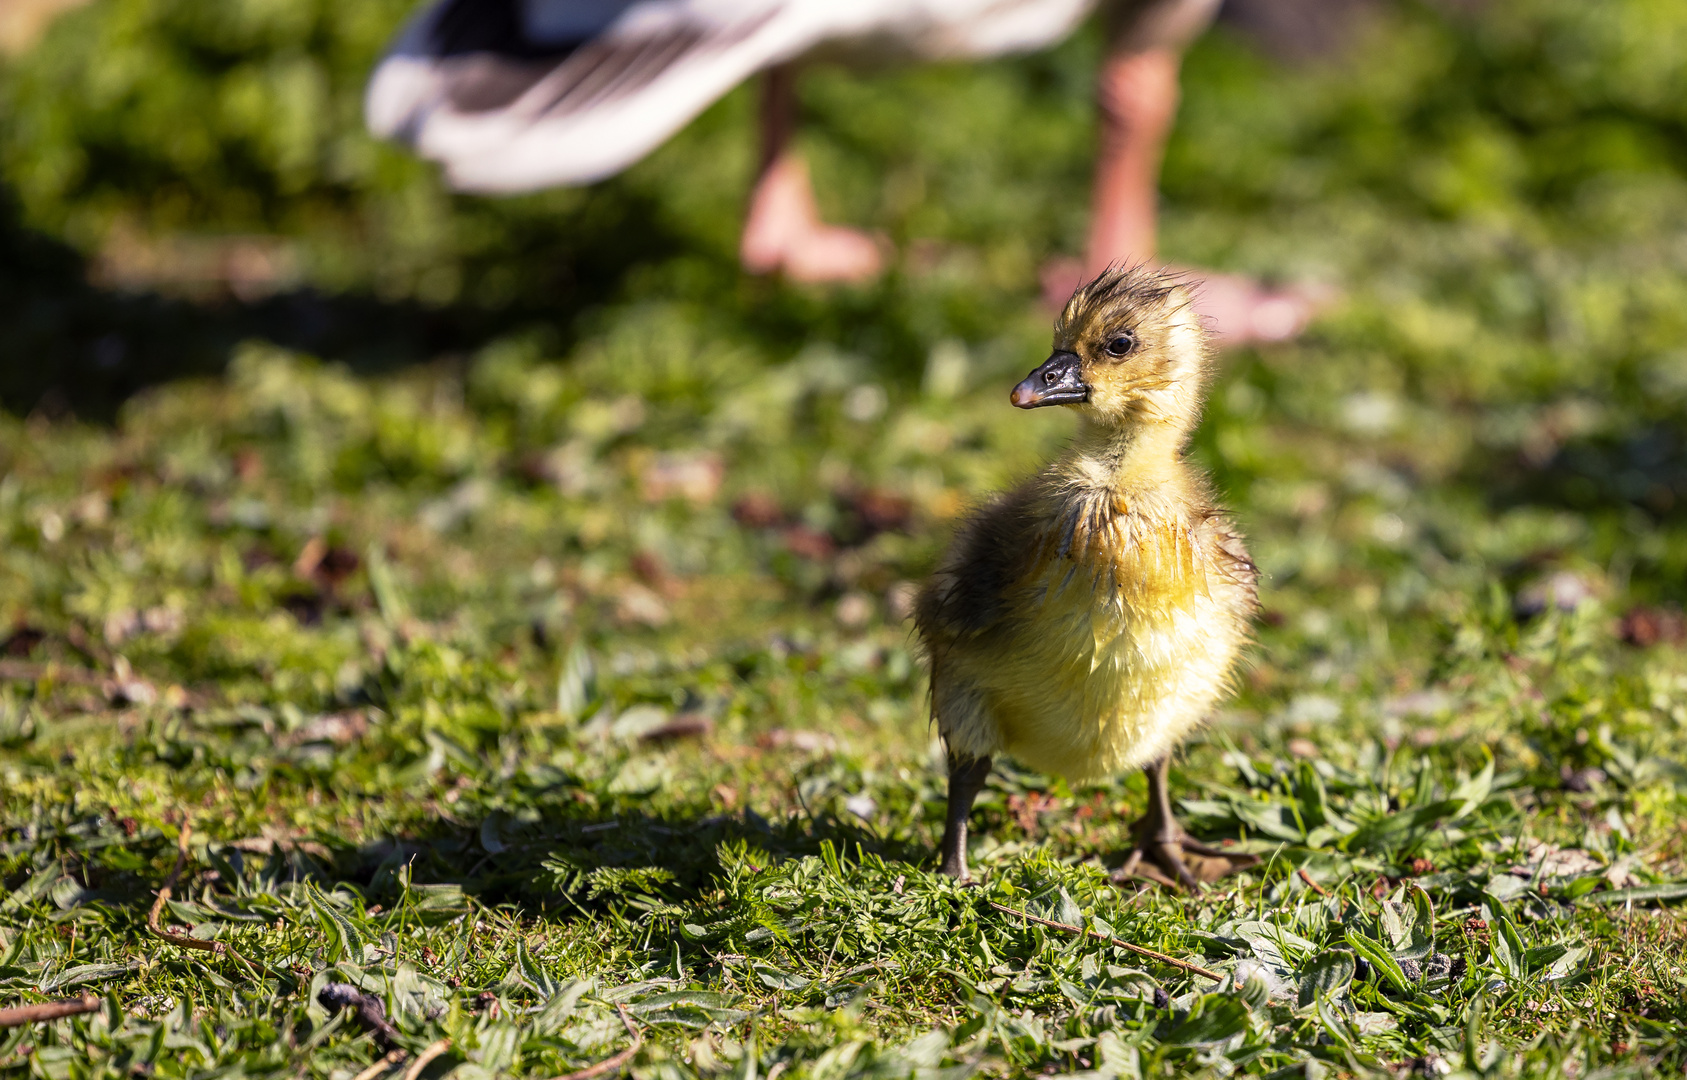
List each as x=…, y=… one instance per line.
x=966, y=780
x=1161, y=843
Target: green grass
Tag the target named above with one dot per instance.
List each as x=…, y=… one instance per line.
x=399, y=649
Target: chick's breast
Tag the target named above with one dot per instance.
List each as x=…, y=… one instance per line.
x=1080, y=636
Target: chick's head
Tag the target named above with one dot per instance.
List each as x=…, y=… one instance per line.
x=1129, y=350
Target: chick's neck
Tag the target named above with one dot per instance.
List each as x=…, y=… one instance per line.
x=1134, y=459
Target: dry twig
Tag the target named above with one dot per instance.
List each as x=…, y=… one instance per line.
x=1313, y=885
x=19, y=1015
x=611, y=1064
x=422, y=1059
x=24, y=671
x=381, y=1065
x=183, y=941
x=1121, y=943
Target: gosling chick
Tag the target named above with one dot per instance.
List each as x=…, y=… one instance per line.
x=1088, y=620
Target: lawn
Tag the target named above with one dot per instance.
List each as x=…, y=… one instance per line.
x=499, y=609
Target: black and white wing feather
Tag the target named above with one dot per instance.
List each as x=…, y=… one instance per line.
x=514, y=95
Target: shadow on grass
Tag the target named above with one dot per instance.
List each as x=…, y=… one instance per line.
x=563, y=863
x=73, y=347
x=1643, y=467
x=76, y=348
x=1620, y=486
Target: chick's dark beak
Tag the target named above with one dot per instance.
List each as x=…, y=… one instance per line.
x=1059, y=381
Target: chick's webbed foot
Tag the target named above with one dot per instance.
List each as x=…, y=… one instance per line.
x=1176, y=860
x=1164, y=853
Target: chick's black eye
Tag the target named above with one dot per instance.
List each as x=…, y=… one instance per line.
x=1121, y=344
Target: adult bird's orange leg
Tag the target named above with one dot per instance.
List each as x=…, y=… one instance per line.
x=966, y=780
x=1137, y=97
x=1161, y=844
x=1138, y=100
x=783, y=231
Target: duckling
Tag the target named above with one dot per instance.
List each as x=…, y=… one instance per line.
x=1088, y=620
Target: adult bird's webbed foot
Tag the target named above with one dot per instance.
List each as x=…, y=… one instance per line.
x=1164, y=853
x=784, y=233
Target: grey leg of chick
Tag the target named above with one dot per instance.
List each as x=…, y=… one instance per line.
x=1161, y=843
x=966, y=780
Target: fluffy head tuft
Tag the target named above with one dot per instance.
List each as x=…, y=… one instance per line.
x=1142, y=347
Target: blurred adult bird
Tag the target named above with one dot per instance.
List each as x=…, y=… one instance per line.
x=515, y=95
x=1088, y=621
